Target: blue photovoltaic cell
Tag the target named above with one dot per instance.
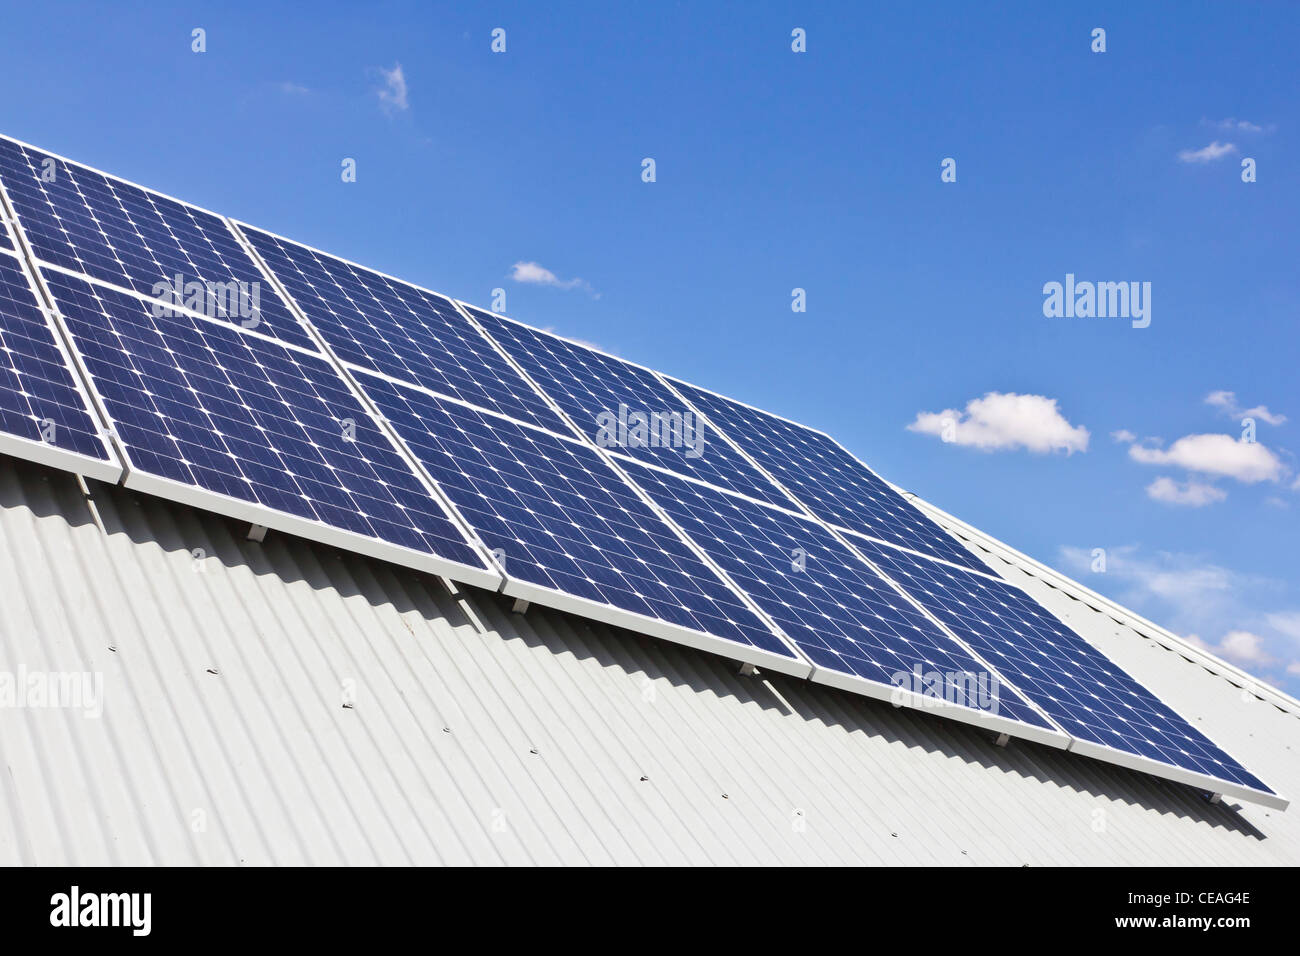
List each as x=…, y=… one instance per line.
x=829, y=481
x=587, y=384
x=131, y=237
x=836, y=609
x=563, y=518
x=1075, y=684
x=5, y=241
x=387, y=326
x=208, y=405
x=36, y=383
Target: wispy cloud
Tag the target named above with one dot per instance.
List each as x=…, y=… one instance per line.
x=289, y=88
x=1190, y=595
x=1192, y=494
x=1005, y=421
x=1240, y=647
x=1124, y=436
x=1227, y=402
x=393, y=94
x=533, y=273
x=1239, y=125
x=1207, y=154
x=1214, y=454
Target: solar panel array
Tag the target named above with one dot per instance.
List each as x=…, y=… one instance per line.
x=1081, y=689
x=383, y=325
x=560, y=519
x=369, y=413
x=846, y=618
x=41, y=405
x=130, y=237
x=236, y=414
x=588, y=385
x=829, y=481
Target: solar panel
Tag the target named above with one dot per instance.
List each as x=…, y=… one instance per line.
x=44, y=414
x=229, y=420
x=859, y=631
x=374, y=322
x=570, y=532
x=5, y=241
x=829, y=481
x=94, y=225
x=1105, y=710
x=588, y=384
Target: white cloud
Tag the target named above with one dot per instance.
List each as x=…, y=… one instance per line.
x=1124, y=436
x=1207, y=154
x=1194, y=494
x=533, y=273
x=1248, y=462
x=1227, y=402
x=393, y=95
x=289, y=88
x=1001, y=421
x=1293, y=668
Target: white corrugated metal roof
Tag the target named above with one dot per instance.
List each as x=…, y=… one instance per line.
x=481, y=736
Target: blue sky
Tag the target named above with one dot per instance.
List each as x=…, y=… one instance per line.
x=819, y=170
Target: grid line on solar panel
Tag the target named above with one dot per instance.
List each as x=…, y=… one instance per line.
x=375, y=322
x=42, y=405
x=6, y=243
x=588, y=384
x=572, y=533
x=1091, y=697
x=848, y=620
x=97, y=225
x=824, y=477
x=240, y=423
